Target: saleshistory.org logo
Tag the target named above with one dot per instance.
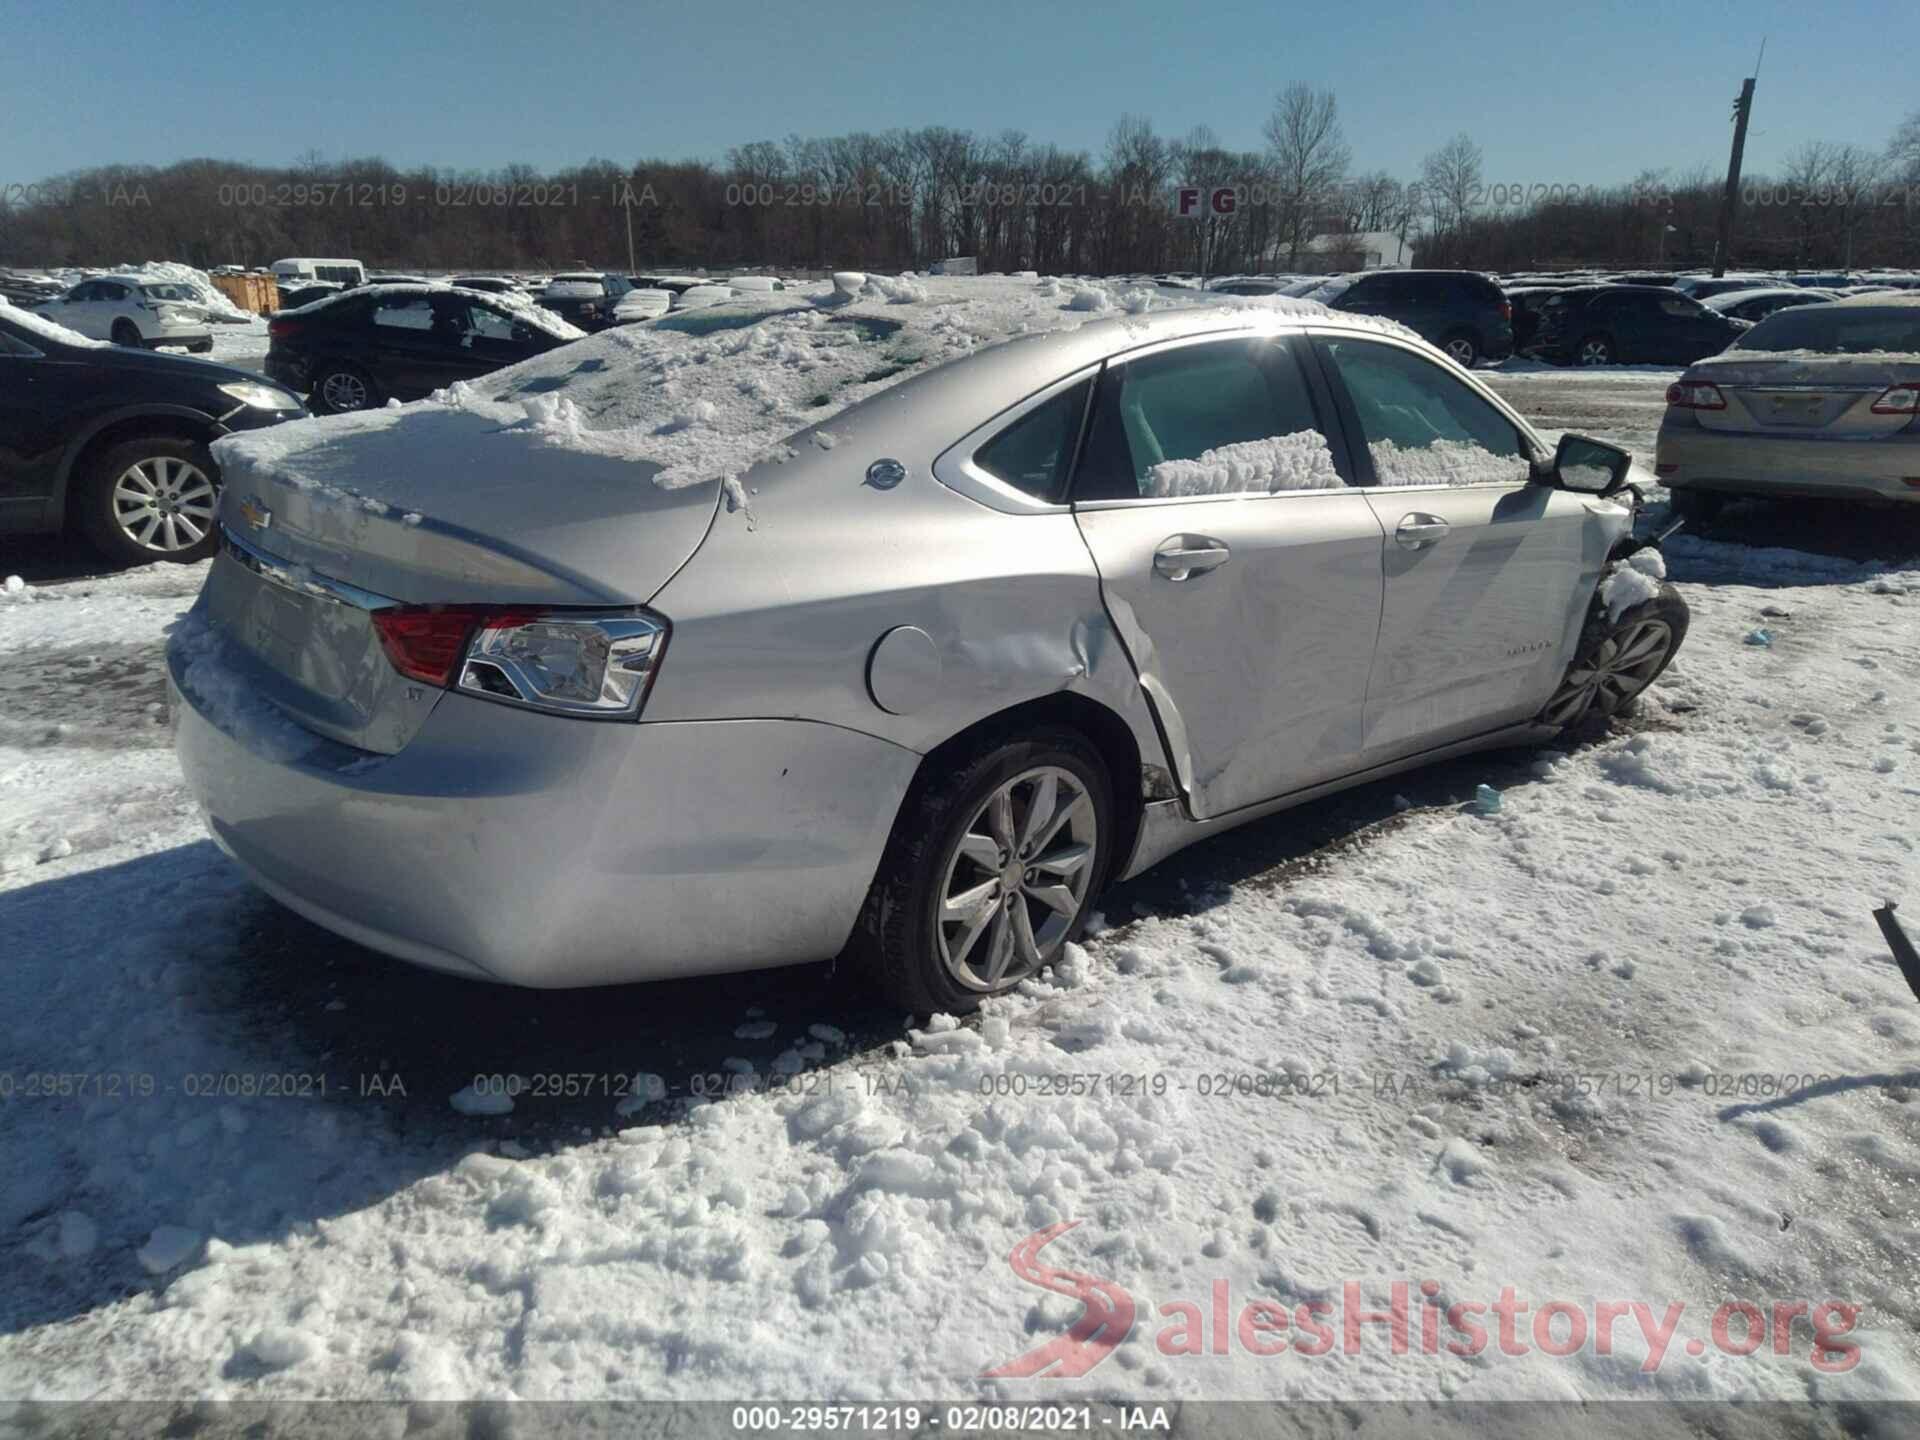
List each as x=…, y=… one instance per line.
x=1432, y=1325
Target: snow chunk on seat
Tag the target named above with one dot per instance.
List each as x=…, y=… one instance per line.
x=1300, y=461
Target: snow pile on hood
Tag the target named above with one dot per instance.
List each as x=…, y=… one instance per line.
x=705, y=394
x=1300, y=461
x=45, y=328
x=196, y=281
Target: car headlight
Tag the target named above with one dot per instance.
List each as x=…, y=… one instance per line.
x=260, y=397
x=568, y=662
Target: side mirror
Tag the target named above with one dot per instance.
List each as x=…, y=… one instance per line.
x=1589, y=467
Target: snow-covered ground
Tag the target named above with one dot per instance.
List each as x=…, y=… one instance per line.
x=1629, y=1037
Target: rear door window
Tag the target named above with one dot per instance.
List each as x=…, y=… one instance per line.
x=1420, y=424
x=404, y=312
x=1230, y=417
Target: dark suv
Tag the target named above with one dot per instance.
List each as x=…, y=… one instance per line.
x=1629, y=325
x=1462, y=312
x=358, y=349
x=113, y=440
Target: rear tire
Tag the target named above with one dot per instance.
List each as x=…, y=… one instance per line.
x=151, y=499
x=990, y=871
x=125, y=332
x=1616, y=661
x=341, y=389
x=1595, y=350
x=1461, y=348
x=204, y=347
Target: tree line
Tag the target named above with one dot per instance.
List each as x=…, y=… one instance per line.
x=903, y=199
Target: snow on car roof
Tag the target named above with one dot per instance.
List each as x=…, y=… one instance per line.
x=705, y=394
x=45, y=328
x=531, y=313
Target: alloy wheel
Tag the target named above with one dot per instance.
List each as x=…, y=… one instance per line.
x=1620, y=669
x=1595, y=352
x=164, y=504
x=1017, y=879
x=1462, y=351
x=343, y=390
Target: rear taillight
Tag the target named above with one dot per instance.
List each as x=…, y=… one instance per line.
x=426, y=642
x=1695, y=395
x=1898, y=400
x=1506, y=311
x=282, y=329
x=569, y=662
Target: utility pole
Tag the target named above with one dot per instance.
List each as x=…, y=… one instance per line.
x=1730, y=202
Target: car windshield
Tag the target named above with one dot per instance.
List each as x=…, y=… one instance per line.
x=1838, y=330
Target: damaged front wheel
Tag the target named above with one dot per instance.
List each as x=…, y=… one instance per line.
x=1617, y=660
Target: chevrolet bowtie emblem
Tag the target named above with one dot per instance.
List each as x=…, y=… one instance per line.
x=255, y=513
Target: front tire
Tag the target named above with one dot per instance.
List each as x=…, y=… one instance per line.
x=1617, y=660
x=152, y=499
x=989, y=873
x=1594, y=350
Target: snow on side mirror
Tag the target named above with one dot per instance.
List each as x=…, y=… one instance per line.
x=1590, y=467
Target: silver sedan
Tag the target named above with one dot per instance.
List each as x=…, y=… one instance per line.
x=1817, y=401
x=819, y=625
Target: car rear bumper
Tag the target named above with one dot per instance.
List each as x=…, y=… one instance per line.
x=1877, y=469
x=537, y=850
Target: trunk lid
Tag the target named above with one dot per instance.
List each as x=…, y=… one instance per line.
x=1825, y=396
x=333, y=519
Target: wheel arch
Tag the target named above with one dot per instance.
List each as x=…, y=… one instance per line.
x=1128, y=772
x=111, y=429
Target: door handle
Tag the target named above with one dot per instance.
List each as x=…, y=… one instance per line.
x=1417, y=531
x=1182, y=556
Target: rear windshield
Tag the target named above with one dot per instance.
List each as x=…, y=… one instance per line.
x=1837, y=330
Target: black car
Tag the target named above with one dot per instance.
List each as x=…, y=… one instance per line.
x=1462, y=312
x=113, y=440
x=366, y=346
x=1629, y=325
x=1526, y=301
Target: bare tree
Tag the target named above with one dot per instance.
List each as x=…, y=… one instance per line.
x=1310, y=158
x=1450, y=179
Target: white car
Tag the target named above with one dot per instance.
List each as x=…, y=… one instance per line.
x=640, y=304
x=699, y=297
x=135, y=310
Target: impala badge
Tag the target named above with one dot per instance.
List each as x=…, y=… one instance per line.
x=255, y=513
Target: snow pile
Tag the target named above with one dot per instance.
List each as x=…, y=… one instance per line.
x=1631, y=581
x=769, y=365
x=1300, y=461
x=1443, y=462
x=45, y=328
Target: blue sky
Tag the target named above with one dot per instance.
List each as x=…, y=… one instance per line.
x=1581, y=92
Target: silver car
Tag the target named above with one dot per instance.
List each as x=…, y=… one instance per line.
x=814, y=625
x=1819, y=401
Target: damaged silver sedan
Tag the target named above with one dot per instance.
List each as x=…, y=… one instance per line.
x=828, y=626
